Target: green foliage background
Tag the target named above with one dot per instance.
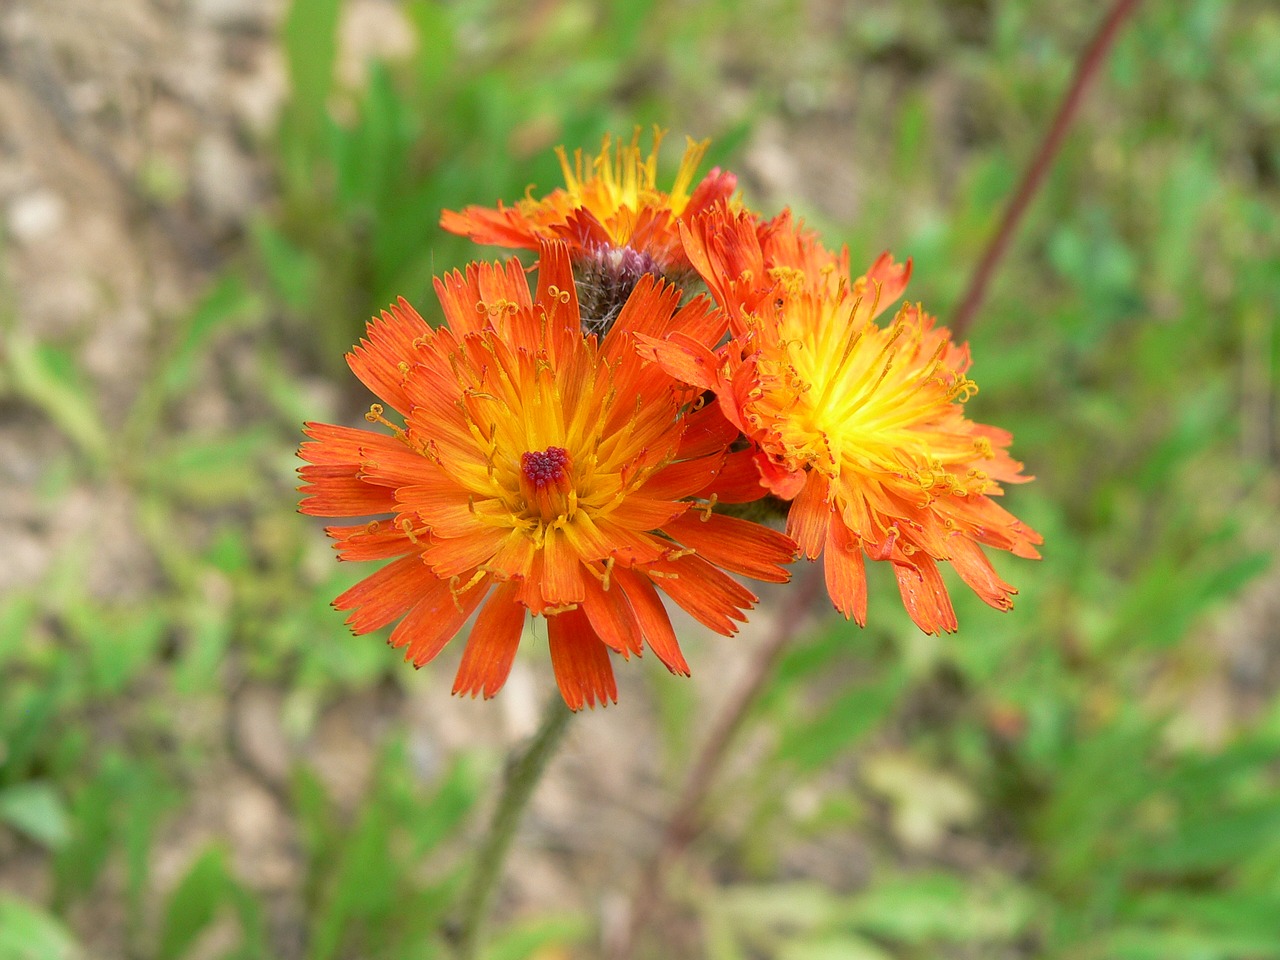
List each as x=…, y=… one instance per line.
x=1129, y=343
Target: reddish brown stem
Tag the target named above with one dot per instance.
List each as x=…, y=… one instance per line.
x=1087, y=68
x=682, y=824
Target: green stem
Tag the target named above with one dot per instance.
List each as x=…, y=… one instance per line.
x=524, y=770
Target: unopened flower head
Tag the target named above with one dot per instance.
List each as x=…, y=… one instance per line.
x=861, y=426
x=534, y=470
x=617, y=222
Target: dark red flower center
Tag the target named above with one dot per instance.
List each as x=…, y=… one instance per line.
x=544, y=468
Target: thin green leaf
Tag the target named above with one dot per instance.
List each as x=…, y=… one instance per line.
x=193, y=904
x=49, y=378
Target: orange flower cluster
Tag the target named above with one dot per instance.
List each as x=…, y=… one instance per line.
x=564, y=453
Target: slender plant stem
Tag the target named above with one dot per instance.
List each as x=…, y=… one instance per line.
x=524, y=770
x=682, y=823
x=1087, y=67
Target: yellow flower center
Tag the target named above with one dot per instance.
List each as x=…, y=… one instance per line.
x=543, y=446
x=840, y=393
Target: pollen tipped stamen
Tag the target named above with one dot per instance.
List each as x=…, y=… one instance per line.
x=375, y=416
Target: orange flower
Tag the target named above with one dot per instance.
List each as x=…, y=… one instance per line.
x=608, y=211
x=536, y=470
x=860, y=426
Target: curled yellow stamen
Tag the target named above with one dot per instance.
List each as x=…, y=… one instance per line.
x=706, y=508
x=457, y=588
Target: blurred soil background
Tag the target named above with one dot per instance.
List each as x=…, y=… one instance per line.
x=201, y=202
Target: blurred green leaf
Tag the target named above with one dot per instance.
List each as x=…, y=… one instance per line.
x=1185, y=193
x=294, y=273
x=435, y=61
x=49, y=378
x=229, y=304
x=146, y=799
x=29, y=724
x=362, y=874
x=849, y=717
x=28, y=933
x=797, y=905
x=208, y=636
x=211, y=470
x=118, y=643
x=525, y=940
x=1136, y=943
x=207, y=889
x=81, y=861
x=310, y=36
x=841, y=947
x=1218, y=839
x=36, y=809
x=941, y=908
x=1237, y=913
x=434, y=821
x=17, y=614
x=193, y=904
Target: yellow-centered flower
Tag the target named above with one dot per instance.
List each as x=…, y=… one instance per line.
x=860, y=426
x=533, y=470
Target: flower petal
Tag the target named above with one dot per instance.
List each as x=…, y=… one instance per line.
x=736, y=545
x=976, y=571
x=562, y=580
x=581, y=662
x=925, y=595
x=845, y=572
x=810, y=515
x=739, y=480
x=382, y=360
x=709, y=596
x=653, y=619
x=455, y=556
x=492, y=645
x=435, y=620
x=337, y=492
x=386, y=594
x=466, y=299
x=370, y=541
x=612, y=618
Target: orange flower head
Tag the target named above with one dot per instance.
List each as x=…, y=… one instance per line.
x=616, y=221
x=534, y=470
x=860, y=426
